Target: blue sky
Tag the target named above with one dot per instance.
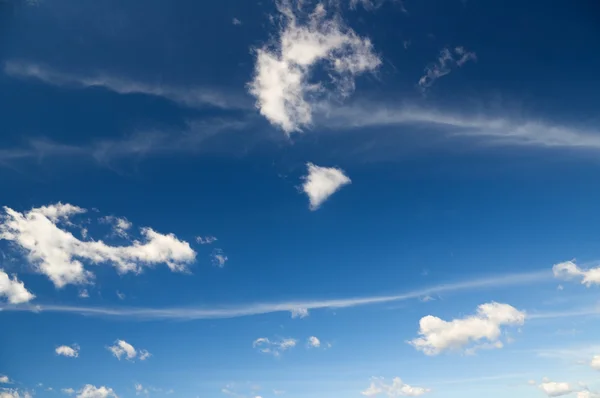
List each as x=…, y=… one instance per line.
x=285, y=199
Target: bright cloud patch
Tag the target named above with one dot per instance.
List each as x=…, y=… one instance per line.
x=282, y=87
x=121, y=349
x=274, y=347
x=482, y=330
x=322, y=182
x=66, y=351
x=4, y=379
x=397, y=389
x=570, y=270
x=14, y=393
x=300, y=312
x=58, y=254
x=313, y=342
x=448, y=59
x=554, y=389
x=595, y=363
x=90, y=391
x=14, y=290
x=206, y=240
x=219, y=258
x=120, y=225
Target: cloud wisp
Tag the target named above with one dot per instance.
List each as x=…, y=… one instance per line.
x=397, y=388
x=191, y=313
x=122, y=349
x=274, y=347
x=448, y=59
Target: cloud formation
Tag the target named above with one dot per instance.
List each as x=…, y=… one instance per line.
x=273, y=347
x=555, y=389
x=90, y=391
x=219, y=258
x=55, y=252
x=206, y=240
x=570, y=270
x=4, y=379
x=121, y=348
x=120, y=225
x=13, y=289
x=66, y=351
x=300, y=312
x=397, y=389
x=313, y=342
x=482, y=330
x=448, y=59
x=322, y=182
x=282, y=84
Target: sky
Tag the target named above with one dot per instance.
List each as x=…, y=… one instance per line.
x=294, y=199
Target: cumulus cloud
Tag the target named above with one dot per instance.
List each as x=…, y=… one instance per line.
x=66, y=351
x=313, y=342
x=4, y=379
x=595, y=363
x=68, y=391
x=482, y=330
x=83, y=293
x=282, y=84
x=206, y=240
x=448, y=59
x=120, y=225
x=322, y=182
x=300, y=312
x=13, y=289
x=58, y=254
x=90, y=391
x=121, y=348
x=555, y=389
x=219, y=258
x=14, y=393
x=570, y=270
x=397, y=389
x=273, y=347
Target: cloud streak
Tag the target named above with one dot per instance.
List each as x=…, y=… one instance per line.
x=191, y=313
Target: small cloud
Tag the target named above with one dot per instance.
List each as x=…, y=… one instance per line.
x=273, y=347
x=448, y=59
x=426, y=299
x=120, y=295
x=397, y=388
x=278, y=392
x=13, y=289
x=206, y=240
x=236, y=21
x=66, y=351
x=560, y=287
x=83, y=293
x=322, y=182
x=595, y=363
x=554, y=389
x=139, y=389
x=570, y=270
x=313, y=342
x=90, y=391
x=120, y=225
x=121, y=348
x=68, y=391
x=4, y=379
x=219, y=258
x=300, y=312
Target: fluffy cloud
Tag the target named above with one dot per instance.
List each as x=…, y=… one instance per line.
x=570, y=270
x=120, y=225
x=206, y=240
x=66, y=351
x=274, y=347
x=219, y=258
x=90, y=391
x=139, y=389
x=122, y=348
x=300, y=312
x=14, y=393
x=482, y=330
x=281, y=84
x=68, y=391
x=57, y=253
x=448, y=59
x=322, y=182
x=313, y=342
x=595, y=363
x=554, y=389
x=14, y=290
x=396, y=389
x=4, y=379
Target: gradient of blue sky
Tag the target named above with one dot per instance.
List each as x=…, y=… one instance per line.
x=463, y=192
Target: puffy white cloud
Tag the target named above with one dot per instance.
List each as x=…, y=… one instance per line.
x=122, y=348
x=274, y=347
x=555, y=389
x=68, y=391
x=13, y=289
x=120, y=225
x=83, y=293
x=90, y=391
x=4, y=379
x=57, y=253
x=448, y=59
x=281, y=84
x=300, y=312
x=595, y=362
x=219, y=258
x=313, y=342
x=206, y=240
x=482, y=330
x=14, y=393
x=322, y=182
x=66, y=351
x=570, y=270
x=397, y=389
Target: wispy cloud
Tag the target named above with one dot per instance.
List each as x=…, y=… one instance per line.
x=448, y=59
x=189, y=313
x=193, y=97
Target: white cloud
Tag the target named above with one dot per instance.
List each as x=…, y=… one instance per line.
x=274, y=347
x=281, y=84
x=120, y=295
x=4, y=379
x=322, y=182
x=122, y=348
x=120, y=225
x=66, y=351
x=482, y=330
x=236, y=21
x=448, y=59
x=194, y=97
x=206, y=240
x=313, y=342
x=570, y=270
x=83, y=293
x=219, y=258
x=300, y=312
x=595, y=363
x=555, y=389
x=68, y=391
x=90, y=391
x=14, y=393
x=13, y=289
x=56, y=252
x=139, y=389
x=397, y=389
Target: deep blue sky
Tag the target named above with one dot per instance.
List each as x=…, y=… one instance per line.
x=489, y=173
